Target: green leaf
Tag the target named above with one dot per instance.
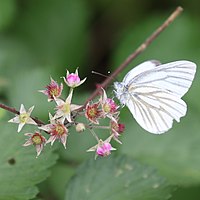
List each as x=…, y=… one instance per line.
x=20, y=171
x=116, y=179
x=60, y=173
x=175, y=153
x=186, y=193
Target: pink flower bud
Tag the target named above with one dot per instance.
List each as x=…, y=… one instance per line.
x=104, y=149
x=73, y=80
x=121, y=128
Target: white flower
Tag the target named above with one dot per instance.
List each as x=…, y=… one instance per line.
x=23, y=118
x=64, y=108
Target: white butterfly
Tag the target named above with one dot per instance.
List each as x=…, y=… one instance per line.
x=153, y=92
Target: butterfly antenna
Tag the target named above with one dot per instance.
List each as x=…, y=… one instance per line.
x=98, y=73
x=106, y=76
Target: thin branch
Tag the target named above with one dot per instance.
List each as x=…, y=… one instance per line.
x=129, y=59
x=138, y=51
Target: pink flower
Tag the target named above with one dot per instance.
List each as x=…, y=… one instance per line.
x=109, y=106
x=116, y=129
x=37, y=140
x=92, y=112
x=57, y=131
x=53, y=90
x=104, y=149
x=73, y=80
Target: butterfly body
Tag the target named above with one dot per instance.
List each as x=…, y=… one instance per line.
x=153, y=92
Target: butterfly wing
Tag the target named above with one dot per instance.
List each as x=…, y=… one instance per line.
x=139, y=69
x=155, y=109
x=175, y=77
x=155, y=93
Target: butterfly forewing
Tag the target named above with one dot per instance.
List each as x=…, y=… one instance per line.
x=137, y=71
x=175, y=77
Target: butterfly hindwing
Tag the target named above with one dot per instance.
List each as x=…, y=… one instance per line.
x=155, y=109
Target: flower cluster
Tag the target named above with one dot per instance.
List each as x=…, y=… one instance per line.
x=68, y=114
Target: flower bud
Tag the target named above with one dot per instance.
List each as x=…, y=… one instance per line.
x=73, y=80
x=104, y=149
x=80, y=127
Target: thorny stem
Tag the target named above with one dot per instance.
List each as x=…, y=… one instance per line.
x=138, y=51
x=128, y=60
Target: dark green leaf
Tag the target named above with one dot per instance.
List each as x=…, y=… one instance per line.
x=175, y=153
x=116, y=179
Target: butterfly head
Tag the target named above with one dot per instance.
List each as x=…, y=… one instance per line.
x=121, y=92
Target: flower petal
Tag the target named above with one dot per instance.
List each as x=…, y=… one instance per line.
x=63, y=140
x=31, y=121
x=22, y=109
x=30, y=110
x=20, y=126
x=28, y=142
x=39, y=148
x=15, y=120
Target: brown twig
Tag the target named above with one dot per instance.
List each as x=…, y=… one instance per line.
x=139, y=50
x=129, y=59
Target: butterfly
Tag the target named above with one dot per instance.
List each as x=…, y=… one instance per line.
x=152, y=92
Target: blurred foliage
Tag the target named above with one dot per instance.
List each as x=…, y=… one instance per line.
x=20, y=171
x=40, y=39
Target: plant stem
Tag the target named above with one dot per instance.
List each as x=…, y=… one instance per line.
x=138, y=51
x=94, y=134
